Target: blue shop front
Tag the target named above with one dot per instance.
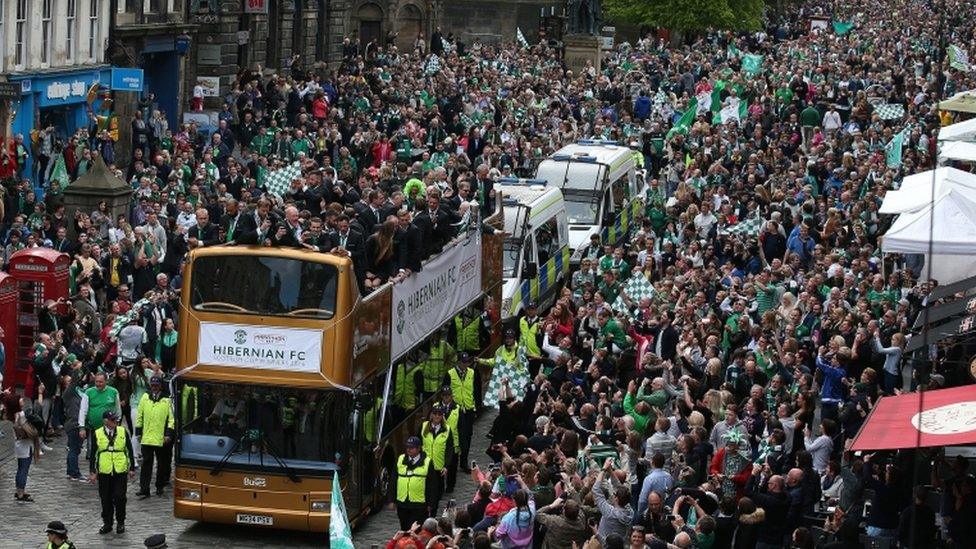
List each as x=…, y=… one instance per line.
x=57, y=99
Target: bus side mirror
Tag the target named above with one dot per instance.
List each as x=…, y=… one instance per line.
x=531, y=270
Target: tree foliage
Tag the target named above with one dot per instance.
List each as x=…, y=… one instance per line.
x=689, y=16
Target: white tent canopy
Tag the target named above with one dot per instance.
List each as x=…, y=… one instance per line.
x=915, y=192
x=962, y=102
x=953, y=234
x=957, y=150
x=960, y=131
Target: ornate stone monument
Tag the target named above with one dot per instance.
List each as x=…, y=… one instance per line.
x=97, y=184
x=581, y=41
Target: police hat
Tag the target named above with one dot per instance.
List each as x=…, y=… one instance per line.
x=56, y=527
x=437, y=409
x=463, y=356
x=446, y=390
x=509, y=333
x=156, y=380
x=413, y=442
x=531, y=305
x=109, y=414
x=156, y=541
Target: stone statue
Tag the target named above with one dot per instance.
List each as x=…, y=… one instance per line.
x=582, y=16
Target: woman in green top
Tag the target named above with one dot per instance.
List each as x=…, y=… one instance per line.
x=166, y=346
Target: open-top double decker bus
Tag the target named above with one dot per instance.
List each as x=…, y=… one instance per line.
x=286, y=374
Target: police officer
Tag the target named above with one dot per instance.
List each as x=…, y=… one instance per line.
x=451, y=415
x=154, y=427
x=531, y=335
x=438, y=443
x=57, y=536
x=414, y=481
x=465, y=387
x=113, y=464
x=439, y=360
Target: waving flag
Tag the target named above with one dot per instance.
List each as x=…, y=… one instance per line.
x=340, y=534
x=893, y=149
x=59, y=172
x=843, y=27
x=521, y=38
x=958, y=58
x=278, y=181
x=752, y=64
x=684, y=123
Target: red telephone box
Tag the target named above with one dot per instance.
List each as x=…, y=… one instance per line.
x=8, y=323
x=40, y=274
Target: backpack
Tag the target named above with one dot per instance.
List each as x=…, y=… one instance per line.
x=34, y=419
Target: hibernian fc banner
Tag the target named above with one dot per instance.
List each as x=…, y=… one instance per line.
x=260, y=347
x=428, y=299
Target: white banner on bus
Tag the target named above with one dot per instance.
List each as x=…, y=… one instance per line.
x=260, y=347
x=428, y=299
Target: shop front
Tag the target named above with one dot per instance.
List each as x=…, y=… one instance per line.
x=55, y=99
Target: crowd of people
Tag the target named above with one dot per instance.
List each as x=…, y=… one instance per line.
x=714, y=413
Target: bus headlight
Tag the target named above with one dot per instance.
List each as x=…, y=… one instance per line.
x=191, y=495
x=320, y=505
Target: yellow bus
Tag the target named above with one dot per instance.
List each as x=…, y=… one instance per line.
x=286, y=374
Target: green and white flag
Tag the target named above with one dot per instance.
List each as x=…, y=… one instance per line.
x=521, y=38
x=433, y=65
x=279, y=181
x=340, y=534
x=843, y=27
x=747, y=227
x=734, y=110
x=893, y=149
x=732, y=51
x=637, y=287
x=752, y=64
x=124, y=319
x=959, y=58
x=684, y=123
x=890, y=111
x=59, y=172
x=704, y=102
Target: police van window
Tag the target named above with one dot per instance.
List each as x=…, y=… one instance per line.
x=546, y=240
x=621, y=191
x=528, y=255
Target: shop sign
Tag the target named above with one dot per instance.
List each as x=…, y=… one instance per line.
x=256, y=6
x=127, y=79
x=59, y=91
x=10, y=90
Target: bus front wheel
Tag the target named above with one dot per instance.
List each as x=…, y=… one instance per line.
x=384, y=482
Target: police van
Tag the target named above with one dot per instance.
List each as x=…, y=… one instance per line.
x=602, y=187
x=535, y=253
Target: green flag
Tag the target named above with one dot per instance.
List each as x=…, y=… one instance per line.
x=59, y=172
x=717, y=95
x=340, y=535
x=752, y=64
x=893, y=149
x=686, y=119
x=958, y=58
x=843, y=27
x=733, y=51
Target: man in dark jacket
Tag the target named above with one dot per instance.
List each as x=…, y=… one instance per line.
x=409, y=244
x=203, y=233
x=775, y=503
x=435, y=224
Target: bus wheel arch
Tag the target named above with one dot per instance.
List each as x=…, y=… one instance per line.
x=384, y=478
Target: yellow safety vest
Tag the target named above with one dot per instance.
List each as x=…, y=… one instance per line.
x=527, y=334
x=435, y=446
x=154, y=418
x=111, y=455
x=452, y=421
x=436, y=366
x=467, y=335
x=404, y=390
x=372, y=421
x=412, y=483
x=188, y=404
x=463, y=389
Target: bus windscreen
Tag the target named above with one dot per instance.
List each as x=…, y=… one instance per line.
x=238, y=426
x=262, y=285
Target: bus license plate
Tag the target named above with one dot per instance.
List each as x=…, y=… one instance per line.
x=259, y=520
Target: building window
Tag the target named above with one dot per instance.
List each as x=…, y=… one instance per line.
x=130, y=5
x=46, y=28
x=20, y=24
x=154, y=6
x=93, y=41
x=69, y=36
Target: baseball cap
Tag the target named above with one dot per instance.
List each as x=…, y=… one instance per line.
x=413, y=442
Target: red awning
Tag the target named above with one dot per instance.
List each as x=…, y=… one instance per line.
x=948, y=418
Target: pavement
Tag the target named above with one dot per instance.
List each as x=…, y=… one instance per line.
x=57, y=498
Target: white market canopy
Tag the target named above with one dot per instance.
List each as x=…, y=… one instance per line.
x=960, y=131
x=961, y=102
x=954, y=233
x=915, y=192
x=960, y=151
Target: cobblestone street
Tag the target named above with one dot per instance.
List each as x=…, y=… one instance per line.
x=76, y=504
